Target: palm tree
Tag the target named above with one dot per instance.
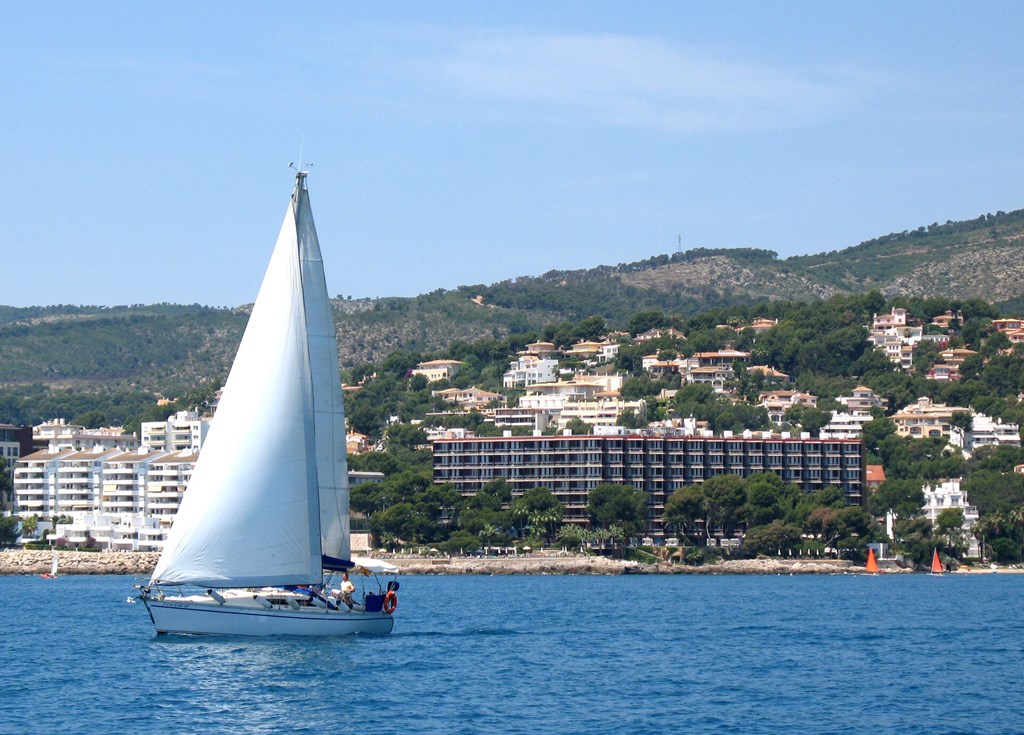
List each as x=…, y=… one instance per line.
x=1015, y=518
x=980, y=531
x=546, y=519
x=573, y=535
x=488, y=534
x=520, y=516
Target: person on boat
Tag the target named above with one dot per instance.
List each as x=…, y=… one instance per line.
x=347, y=588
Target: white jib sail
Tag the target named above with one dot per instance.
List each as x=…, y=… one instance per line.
x=250, y=516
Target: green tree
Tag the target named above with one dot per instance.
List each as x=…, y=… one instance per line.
x=877, y=430
x=814, y=420
x=573, y=535
x=630, y=419
x=6, y=486
x=768, y=499
x=684, y=511
x=994, y=492
x=621, y=505
x=914, y=539
x=723, y=497
x=776, y=537
x=540, y=509
x=8, y=530
x=579, y=427
x=905, y=498
x=459, y=542
x=950, y=536
x=846, y=530
x=715, y=503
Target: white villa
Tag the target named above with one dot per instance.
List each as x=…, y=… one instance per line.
x=435, y=370
x=947, y=494
x=861, y=399
x=529, y=370
x=985, y=432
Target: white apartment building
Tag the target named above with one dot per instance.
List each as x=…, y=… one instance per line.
x=123, y=478
x=845, y=425
x=79, y=480
x=166, y=480
x=601, y=411
x=35, y=482
x=947, y=494
x=898, y=318
x=532, y=418
x=985, y=432
x=115, y=532
x=184, y=431
x=529, y=370
x=554, y=396
x=141, y=522
x=58, y=434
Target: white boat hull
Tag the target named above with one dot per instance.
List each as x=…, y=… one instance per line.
x=201, y=617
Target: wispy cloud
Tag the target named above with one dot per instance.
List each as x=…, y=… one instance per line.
x=643, y=82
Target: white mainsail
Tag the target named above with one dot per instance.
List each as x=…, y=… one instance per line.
x=272, y=471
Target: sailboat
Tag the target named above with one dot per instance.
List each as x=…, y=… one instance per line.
x=263, y=528
x=872, y=564
x=52, y=574
x=936, y=569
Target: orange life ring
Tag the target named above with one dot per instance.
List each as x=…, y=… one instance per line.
x=390, y=602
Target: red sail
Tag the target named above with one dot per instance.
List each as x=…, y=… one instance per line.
x=936, y=564
x=872, y=566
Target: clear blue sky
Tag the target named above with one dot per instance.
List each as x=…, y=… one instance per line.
x=145, y=148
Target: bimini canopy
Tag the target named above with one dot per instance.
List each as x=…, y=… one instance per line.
x=374, y=566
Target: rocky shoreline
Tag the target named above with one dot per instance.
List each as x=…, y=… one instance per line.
x=140, y=564
x=24, y=561
x=604, y=565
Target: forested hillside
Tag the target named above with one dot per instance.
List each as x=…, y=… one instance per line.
x=169, y=349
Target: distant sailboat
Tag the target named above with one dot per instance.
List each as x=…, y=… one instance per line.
x=52, y=574
x=936, y=564
x=266, y=511
x=872, y=566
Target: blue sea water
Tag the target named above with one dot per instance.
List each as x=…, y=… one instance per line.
x=542, y=654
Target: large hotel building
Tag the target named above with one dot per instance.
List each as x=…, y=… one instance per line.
x=571, y=466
